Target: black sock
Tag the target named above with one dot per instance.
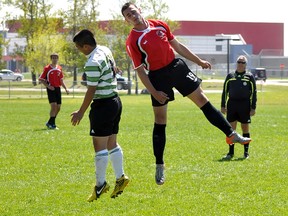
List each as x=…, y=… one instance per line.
x=52, y=121
x=231, y=149
x=246, y=147
x=216, y=118
x=159, y=141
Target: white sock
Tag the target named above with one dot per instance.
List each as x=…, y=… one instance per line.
x=116, y=156
x=101, y=163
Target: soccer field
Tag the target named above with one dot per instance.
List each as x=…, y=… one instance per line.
x=51, y=172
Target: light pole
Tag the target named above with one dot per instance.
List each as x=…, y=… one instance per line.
x=228, y=50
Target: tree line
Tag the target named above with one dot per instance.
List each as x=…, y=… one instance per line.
x=47, y=32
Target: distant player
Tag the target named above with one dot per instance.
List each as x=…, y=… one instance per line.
x=52, y=79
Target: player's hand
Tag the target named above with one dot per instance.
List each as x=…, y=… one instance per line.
x=223, y=110
x=51, y=88
x=252, y=112
x=67, y=91
x=161, y=97
x=205, y=65
x=76, y=117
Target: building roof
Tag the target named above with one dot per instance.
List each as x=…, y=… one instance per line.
x=260, y=35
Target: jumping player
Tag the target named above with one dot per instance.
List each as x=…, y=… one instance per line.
x=151, y=46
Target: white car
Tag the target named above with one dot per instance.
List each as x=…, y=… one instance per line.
x=6, y=74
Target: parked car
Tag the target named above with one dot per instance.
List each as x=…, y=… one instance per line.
x=122, y=82
x=6, y=74
x=259, y=73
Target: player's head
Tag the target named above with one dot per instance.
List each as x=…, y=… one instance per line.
x=241, y=63
x=132, y=14
x=242, y=59
x=126, y=6
x=54, y=56
x=84, y=37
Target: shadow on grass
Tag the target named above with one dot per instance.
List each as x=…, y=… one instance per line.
x=232, y=159
x=44, y=129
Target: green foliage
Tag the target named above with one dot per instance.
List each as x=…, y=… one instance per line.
x=46, y=172
x=2, y=45
x=77, y=16
x=41, y=29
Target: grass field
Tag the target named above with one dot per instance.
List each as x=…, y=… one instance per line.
x=46, y=172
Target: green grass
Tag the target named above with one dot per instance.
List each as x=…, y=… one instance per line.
x=46, y=172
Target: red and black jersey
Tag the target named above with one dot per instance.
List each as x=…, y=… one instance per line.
x=53, y=75
x=151, y=47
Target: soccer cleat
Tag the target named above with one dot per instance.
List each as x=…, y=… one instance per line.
x=52, y=127
x=121, y=183
x=228, y=157
x=246, y=155
x=159, y=174
x=237, y=138
x=97, y=191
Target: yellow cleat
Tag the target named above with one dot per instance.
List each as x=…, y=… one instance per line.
x=97, y=191
x=121, y=183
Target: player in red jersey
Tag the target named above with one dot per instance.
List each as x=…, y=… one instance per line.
x=151, y=46
x=52, y=79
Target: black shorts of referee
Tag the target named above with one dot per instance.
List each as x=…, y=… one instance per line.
x=104, y=116
x=175, y=75
x=238, y=110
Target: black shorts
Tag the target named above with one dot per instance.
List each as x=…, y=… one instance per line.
x=238, y=110
x=104, y=116
x=55, y=95
x=175, y=75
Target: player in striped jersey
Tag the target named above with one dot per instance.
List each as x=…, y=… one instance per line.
x=105, y=112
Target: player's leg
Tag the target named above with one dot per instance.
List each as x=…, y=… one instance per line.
x=101, y=163
x=188, y=84
x=159, y=141
x=51, y=122
x=246, y=133
x=215, y=117
x=53, y=109
x=230, y=154
x=116, y=157
x=100, y=130
x=58, y=101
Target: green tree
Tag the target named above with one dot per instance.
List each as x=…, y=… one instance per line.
x=3, y=44
x=81, y=14
x=157, y=9
x=39, y=30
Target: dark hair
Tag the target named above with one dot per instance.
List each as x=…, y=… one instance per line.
x=54, y=54
x=84, y=37
x=126, y=5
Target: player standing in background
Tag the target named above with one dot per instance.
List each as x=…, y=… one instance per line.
x=151, y=47
x=52, y=79
x=240, y=89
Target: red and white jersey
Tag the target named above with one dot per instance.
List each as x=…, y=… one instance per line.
x=151, y=47
x=53, y=75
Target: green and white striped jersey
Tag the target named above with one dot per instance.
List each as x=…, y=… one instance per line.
x=99, y=69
